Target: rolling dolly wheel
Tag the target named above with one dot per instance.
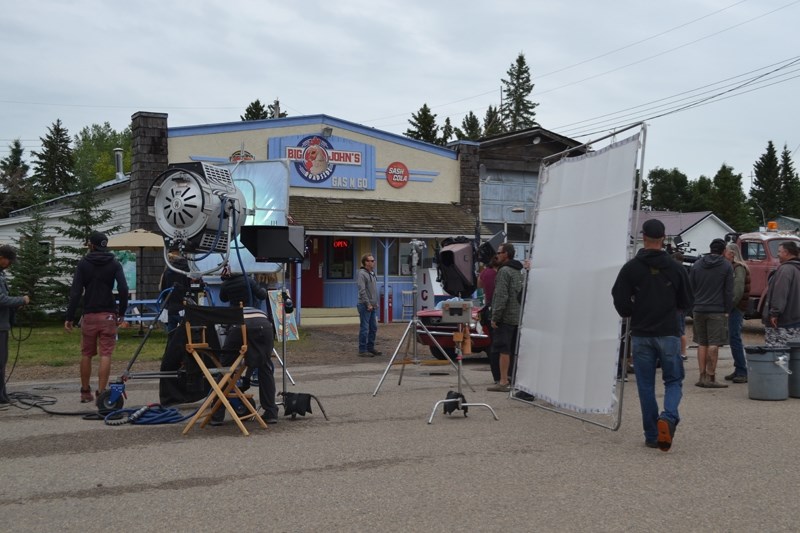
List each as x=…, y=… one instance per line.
x=104, y=403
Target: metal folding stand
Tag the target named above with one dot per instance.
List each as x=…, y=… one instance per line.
x=455, y=399
x=294, y=403
x=413, y=327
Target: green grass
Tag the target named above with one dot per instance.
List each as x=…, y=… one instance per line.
x=49, y=344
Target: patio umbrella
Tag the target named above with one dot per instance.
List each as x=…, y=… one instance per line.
x=138, y=238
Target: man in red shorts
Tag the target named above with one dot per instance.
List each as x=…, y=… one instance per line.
x=94, y=280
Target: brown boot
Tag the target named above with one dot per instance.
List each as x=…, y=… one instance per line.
x=711, y=383
x=702, y=381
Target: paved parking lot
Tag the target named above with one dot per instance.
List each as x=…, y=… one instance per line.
x=377, y=464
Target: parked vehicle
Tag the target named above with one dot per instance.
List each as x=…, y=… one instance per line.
x=443, y=333
x=760, y=252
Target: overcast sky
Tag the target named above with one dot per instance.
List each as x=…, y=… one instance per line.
x=596, y=65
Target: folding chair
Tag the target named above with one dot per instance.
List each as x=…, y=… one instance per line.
x=203, y=344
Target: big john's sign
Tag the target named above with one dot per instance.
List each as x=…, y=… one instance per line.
x=328, y=163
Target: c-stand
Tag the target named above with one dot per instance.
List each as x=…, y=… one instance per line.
x=462, y=316
x=414, y=325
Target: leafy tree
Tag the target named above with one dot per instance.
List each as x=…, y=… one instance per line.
x=492, y=124
x=255, y=111
x=54, y=165
x=669, y=189
x=15, y=189
x=516, y=110
x=447, y=132
x=790, y=183
x=729, y=202
x=765, y=193
x=85, y=215
x=34, y=272
x=700, y=195
x=423, y=125
x=470, y=128
x=94, y=151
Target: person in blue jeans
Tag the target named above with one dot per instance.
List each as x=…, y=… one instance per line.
x=367, y=284
x=741, y=295
x=651, y=289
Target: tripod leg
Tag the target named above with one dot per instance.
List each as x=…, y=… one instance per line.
x=394, y=356
x=288, y=375
x=439, y=346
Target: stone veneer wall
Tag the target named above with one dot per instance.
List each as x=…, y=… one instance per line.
x=149, y=159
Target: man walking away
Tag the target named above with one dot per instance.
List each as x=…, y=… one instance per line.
x=94, y=280
x=711, y=279
x=651, y=289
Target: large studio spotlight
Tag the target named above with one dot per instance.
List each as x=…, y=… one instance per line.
x=197, y=207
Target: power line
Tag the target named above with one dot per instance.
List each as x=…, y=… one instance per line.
x=610, y=53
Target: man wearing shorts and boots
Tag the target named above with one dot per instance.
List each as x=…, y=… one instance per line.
x=711, y=279
x=506, y=307
x=94, y=280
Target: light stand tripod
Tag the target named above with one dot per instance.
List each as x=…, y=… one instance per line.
x=455, y=399
x=294, y=403
x=414, y=325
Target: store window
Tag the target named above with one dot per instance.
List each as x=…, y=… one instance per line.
x=340, y=259
x=393, y=261
x=399, y=258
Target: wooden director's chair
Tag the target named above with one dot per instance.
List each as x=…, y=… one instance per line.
x=201, y=325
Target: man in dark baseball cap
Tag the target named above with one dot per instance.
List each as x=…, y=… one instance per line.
x=654, y=229
x=99, y=241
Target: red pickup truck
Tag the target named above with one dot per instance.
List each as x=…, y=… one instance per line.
x=760, y=252
x=443, y=333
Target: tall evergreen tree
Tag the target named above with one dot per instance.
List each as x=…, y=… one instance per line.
x=34, y=272
x=470, y=128
x=790, y=184
x=729, y=201
x=15, y=188
x=54, y=165
x=669, y=189
x=423, y=125
x=516, y=110
x=765, y=193
x=94, y=151
x=492, y=123
x=255, y=111
x=447, y=132
x=86, y=214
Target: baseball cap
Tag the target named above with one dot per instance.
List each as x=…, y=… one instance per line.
x=653, y=228
x=99, y=241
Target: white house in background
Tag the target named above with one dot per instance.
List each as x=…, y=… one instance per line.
x=698, y=228
x=114, y=193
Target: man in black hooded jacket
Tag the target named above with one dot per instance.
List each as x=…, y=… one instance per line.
x=94, y=280
x=651, y=289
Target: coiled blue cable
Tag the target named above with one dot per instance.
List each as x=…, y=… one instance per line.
x=147, y=415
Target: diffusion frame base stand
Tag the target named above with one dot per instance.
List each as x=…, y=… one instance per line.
x=458, y=399
x=414, y=325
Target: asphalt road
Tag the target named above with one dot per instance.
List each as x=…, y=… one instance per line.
x=377, y=465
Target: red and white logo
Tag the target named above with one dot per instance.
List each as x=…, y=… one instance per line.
x=315, y=159
x=397, y=174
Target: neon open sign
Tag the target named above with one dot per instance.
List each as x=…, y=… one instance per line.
x=341, y=243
